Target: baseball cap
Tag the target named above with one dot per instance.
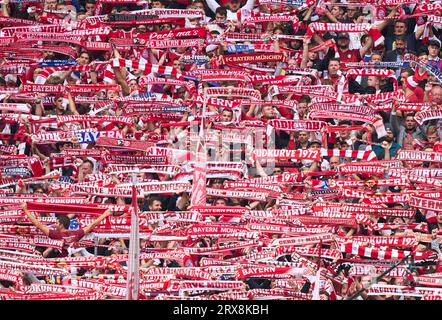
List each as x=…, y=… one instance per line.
x=434, y=42
x=211, y=47
x=315, y=142
x=343, y=35
x=215, y=28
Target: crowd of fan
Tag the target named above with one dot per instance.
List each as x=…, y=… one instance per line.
x=126, y=75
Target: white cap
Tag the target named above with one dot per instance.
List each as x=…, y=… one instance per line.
x=211, y=47
x=215, y=27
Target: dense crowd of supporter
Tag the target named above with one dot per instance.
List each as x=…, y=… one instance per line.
x=222, y=150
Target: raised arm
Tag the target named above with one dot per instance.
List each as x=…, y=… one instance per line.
x=363, y=50
x=71, y=106
x=121, y=81
x=317, y=39
x=394, y=121
x=213, y=5
x=260, y=170
x=330, y=17
x=120, y=78
x=103, y=216
x=34, y=220
x=305, y=52
x=39, y=109
x=420, y=30
x=307, y=14
x=5, y=8
x=249, y=5
x=381, y=26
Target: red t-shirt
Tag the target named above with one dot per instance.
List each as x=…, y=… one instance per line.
x=349, y=56
x=420, y=93
x=412, y=98
x=69, y=237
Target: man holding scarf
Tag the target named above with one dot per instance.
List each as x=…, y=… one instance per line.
x=62, y=232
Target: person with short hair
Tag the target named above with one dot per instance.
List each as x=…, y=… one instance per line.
x=432, y=135
x=334, y=163
x=335, y=74
x=159, y=4
x=348, y=55
x=397, y=55
x=90, y=7
x=227, y=115
x=220, y=15
x=399, y=28
x=433, y=54
x=154, y=204
x=86, y=168
x=388, y=148
x=434, y=94
x=62, y=232
x=235, y=12
x=408, y=131
x=303, y=141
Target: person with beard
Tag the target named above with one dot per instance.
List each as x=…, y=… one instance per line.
x=401, y=29
x=347, y=55
x=408, y=131
x=397, y=55
x=388, y=148
x=303, y=140
x=334, y=75
x=343, y=47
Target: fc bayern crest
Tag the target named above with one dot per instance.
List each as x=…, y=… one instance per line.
x=380, y=13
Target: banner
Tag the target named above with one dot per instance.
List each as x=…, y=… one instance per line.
x=300, y=154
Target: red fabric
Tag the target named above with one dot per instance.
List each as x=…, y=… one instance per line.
x=285, y=113
x=349, y=56
x=69, y=237
x=335, y=79
x=291, y=145
x=420, y=93
x=412, y=98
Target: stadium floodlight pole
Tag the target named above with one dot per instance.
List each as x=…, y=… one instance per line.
x=133, y=268
x=199, y=194
x=357, y=294
x=96, y=242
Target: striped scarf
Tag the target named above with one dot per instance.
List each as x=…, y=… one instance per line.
x=355, y=154
x=146, y=67
x=46, y=72
x=375, y=253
